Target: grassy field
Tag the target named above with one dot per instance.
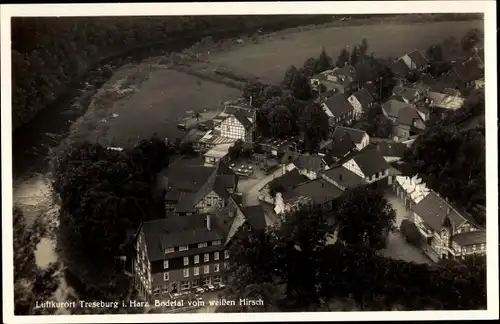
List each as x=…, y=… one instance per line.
x=269, y=58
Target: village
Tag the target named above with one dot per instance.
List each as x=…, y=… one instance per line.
x=238, y=178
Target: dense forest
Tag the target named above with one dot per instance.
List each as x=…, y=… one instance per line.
x=49, y=53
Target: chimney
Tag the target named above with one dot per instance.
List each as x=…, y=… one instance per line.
x=207, y=221
x=340, y=177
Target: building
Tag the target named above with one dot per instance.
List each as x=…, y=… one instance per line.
x=279, y=184
x=406, y=119
x=392, y=151
x=213, y=138
x=195, y=188
x=415, y=61
x=179, y=253
x=410, y=190
x=317, y=191
x=408, y=95
x=359, y=137
x=343, y=178
x=336, y=149
x=219, y=153
x=308, y=165
x=464, y=74
x=238, y=126
x=442, y=103
x=400, y=70
x=369, y=164
x=361, y=101
x=338, y=110
x=337, y=80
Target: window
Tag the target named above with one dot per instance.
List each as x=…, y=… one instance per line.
x=226, y=254
x=216, y=256
x=474, y=247
x=185, y=285
x=186, y=273
x=196, y=271
x=206, y=269
x=209, y=205
x=166, y=276
x=226, y=265
x=216, y=267
x=186, y=261
x=202, y=245
x=218, y=242
x=196, y=259
x=206, y=257
x=183, y=248
x=169, y=250
x=165, y=264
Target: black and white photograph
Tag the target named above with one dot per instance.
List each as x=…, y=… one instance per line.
x=296, y=161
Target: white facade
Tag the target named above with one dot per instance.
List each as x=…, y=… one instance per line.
x=232, y=128
x=352, y=166
x=358, y=108
x=209, y=202
x=364, y=142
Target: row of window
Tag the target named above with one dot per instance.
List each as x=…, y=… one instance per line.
x=196, y=271
x=206, y=258
x=186, y=247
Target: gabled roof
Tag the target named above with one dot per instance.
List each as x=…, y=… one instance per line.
x=338, y=147
x=467, y=71
x=319, y=191
x=433, y=209
x=470, y=238
x=393, y=107
x=407, y=115
x=400, y=69
x=312, y=162
x=355, y=134
x=371, y=161
x=338, y=105
x=243, y=119
x=289, y=179
x=409, y=94
x=345, y=178
x=255, y=216
x=391, y=149
x=347, y=71
x=179, y=230
x=418, y=58
x=364, y=97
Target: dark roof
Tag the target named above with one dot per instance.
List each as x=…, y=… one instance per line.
x=318, y=190
x=371, y=161
x=364, y=97
x=185, y=177
x=338, y=147
x=467, y=71
x=347, y=71
x=311, y=162
x=393, y=107
x=433, y=210
x=289, y=157
x=400, y=69
x=470, y=238
x=327, y=94
x=355, y=134
x=344, y=177
x=287, y=180
x=391, y=148
x=407, y=115
x=245, y=111
x=178, y=230
x=418, y=58
x=427, y=79
x=255, y=216
x=338, y=105
x=405, y=92
x=243, y=119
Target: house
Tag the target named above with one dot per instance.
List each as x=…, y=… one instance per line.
x=196, y=189
x=213, y=138
x=369, y=164
x=219, y=153
x=338, y=80
x=448, y=232
x=361, y=101
x=336, y=149
x=409, y=95
x=309, y=165
x=317, y=191
x=238, y=126
x=410, y=190
x=359, y=137
x=442, y=103
x=279, y=184
x=399, y=69
x=406, y=118
x=179, y=253
x=392, y=151
x=338, y=110
x=415, y=61
x=464, y=74
x=343, y=178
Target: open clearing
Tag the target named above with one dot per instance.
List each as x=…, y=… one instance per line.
x=271, y=57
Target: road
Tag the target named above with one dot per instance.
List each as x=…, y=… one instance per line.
x=250, y=187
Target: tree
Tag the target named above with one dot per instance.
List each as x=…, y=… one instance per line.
x=355, y=55
x=289, y=78
x=311, y=67
x=363, y=48
x=324, y=61
x=313, y=123
x=343, y=58
x=236, y=150
x=435, y=53
x=471, y=39
x=364, y=216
